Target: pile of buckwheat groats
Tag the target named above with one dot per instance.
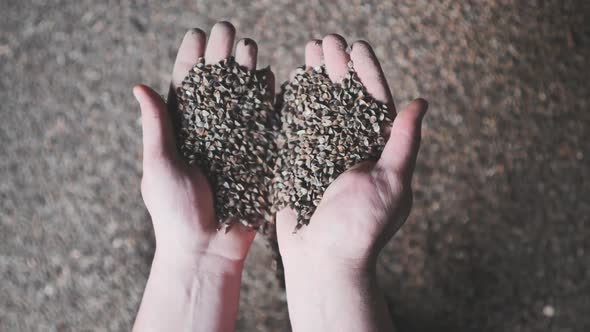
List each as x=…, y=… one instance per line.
x=225, y=115
x=261, y=158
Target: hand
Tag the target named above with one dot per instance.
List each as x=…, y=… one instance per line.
x=194, y=282
x=177, y=195
x=358, y=213
x=366, y=205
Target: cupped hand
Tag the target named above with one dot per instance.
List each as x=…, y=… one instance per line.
x=177, y=195
x=366, y=205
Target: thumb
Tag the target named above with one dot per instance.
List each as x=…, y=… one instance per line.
x=401, y=150
x=158, y=136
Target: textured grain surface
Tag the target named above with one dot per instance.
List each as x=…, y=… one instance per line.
x=225, y=126
x=498, y=238
x=326, y=129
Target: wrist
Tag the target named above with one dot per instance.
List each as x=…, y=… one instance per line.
x=335, y=296
x=196, y=263
x=321, y=270
x=190, y=293
x=316, y=261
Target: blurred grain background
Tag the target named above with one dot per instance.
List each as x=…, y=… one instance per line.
x=499, y=238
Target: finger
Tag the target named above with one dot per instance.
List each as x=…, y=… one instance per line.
x=221, y=42
x=370, y=73
x=400, y=152
x=189, y=52
x=270, y=77
x=286, y=222
x=335, y=57
x=314, y=54
x=246, y=53
x=158, y=136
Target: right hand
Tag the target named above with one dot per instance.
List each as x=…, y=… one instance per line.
x=365, y=206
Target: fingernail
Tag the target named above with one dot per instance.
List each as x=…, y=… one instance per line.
x=224, y=24
x=135, y=92
x=423, y=105
x=196, y=30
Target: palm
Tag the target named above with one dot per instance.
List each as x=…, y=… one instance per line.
x=180, y=202
x=177, y=195
x=355, y=210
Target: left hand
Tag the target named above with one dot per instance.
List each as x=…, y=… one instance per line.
x=177, y=195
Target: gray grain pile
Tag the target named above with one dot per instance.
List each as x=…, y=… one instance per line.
x=259, y=160
x=225, y=117
x=326, y=129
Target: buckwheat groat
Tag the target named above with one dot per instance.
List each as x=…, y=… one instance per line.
x=326, y=129
x=225, y=115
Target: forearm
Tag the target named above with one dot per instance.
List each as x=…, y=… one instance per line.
x=200, y=294
x=323, y=298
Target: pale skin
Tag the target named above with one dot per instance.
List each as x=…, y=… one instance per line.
x=331, y=285
x=330, y=264
x=194, y=283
